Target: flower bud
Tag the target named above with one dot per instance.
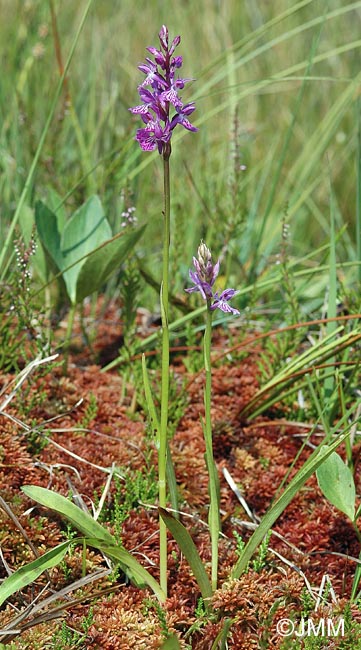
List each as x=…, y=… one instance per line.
x=204, y=256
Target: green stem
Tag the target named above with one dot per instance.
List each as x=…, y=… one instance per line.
x=358, y=187
x=213, y=484
x=69, y=331
x=164, y=300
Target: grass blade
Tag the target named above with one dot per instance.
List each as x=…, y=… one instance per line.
x=358, y=188
x=331, y=327
x=33, y=166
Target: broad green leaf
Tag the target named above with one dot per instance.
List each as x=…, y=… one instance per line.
x=78, y=518
x=83, y=248
x=26, y=223
x=87, y=229
x=336, y=482
x=135, y=571
x=188, y=548
x=100, y=264
x=47, y=227
x=53, y=201
x=30, y=572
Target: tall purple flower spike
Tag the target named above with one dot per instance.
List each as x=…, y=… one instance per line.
x=159, y=93
x=203, y=279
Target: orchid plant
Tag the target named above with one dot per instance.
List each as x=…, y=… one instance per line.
x=159, y=93
x=161, y=110
x=162, y=96
x=203, y=279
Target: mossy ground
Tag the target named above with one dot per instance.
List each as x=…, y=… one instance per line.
x=108, y=427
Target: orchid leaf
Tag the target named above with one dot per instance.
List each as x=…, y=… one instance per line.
x=135, y=571
x=30, y=572
x=77, y=517
x=96, y=535
x=47, y=226
x=336, y=482
x=87, y=229
x=101, y=263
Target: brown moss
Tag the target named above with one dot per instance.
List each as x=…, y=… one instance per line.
x=257, y=454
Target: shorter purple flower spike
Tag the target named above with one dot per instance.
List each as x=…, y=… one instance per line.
x=203, y=279
x=205, y=275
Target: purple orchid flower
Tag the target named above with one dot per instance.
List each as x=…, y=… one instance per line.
x=160, y=77
x=199, y=285
x=181, y=117
x=153, y=135
x=153, y=78
x=221, y=302
x=203, y=279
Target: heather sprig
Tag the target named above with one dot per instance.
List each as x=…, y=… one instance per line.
x=162, y=97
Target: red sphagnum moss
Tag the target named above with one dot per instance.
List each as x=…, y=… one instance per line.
x=312, y=536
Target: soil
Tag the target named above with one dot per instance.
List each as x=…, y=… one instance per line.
x=72, y=453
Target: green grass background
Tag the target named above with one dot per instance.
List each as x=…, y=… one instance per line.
x=289, y=71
